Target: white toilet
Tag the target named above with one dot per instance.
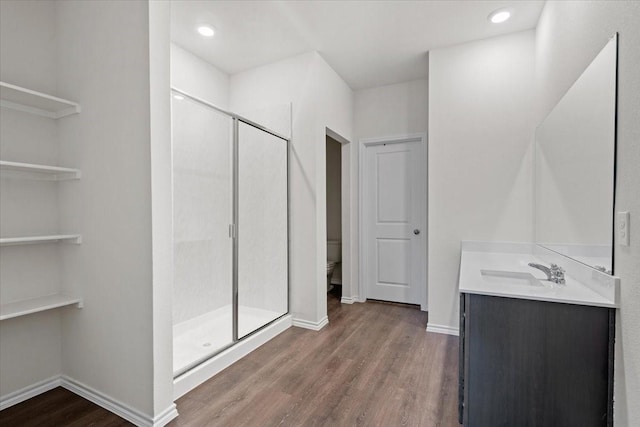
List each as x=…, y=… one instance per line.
x=334, y=263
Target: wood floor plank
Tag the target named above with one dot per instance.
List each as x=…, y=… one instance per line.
x=373, y=365
x=59, y=407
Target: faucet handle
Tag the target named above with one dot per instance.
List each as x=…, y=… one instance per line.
x=558, y=273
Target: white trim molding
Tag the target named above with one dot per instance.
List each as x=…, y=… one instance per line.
x=314, y=326
x=112, y=405
x=201, y=373
x=442, y=329
x=28, y=392
x=124, y=411
x=165, y=417
x=352, y=300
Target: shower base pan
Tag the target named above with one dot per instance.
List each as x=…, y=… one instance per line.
x=200, y=373
x=197, y=339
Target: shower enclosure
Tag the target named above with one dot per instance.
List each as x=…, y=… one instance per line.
x=230, y=215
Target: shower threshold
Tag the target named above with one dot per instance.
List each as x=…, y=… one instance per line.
x=197, y=339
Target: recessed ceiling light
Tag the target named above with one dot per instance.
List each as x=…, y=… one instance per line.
x=498, y=16
x=178, y=97
x=206, y=31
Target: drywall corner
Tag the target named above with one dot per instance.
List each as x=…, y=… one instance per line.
x=161, y=210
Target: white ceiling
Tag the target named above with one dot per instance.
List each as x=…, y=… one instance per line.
x=369, y=43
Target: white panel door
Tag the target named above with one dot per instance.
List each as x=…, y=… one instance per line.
x=394, y=215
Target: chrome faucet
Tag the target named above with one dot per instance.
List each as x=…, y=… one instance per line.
x=554, y=274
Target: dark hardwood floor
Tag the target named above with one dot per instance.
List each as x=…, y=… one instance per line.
x=373, y=365
x=59, y=407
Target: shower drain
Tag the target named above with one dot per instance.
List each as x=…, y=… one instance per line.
x=207, y=344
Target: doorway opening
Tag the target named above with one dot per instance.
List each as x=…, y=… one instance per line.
x=334, y=219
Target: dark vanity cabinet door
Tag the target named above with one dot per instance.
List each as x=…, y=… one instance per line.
x=534, y=363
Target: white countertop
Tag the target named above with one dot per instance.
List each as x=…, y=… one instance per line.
x=584, y=285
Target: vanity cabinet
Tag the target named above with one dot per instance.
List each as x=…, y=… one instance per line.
x=535, y=363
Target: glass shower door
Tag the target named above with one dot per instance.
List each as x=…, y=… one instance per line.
x=202, y=140
x=262, y=228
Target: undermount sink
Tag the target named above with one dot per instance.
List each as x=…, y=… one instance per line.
x=512, y=278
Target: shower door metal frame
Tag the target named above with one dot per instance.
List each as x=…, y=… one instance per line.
x=233, y=228
x=234, y=235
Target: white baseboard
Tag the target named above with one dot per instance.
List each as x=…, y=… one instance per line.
x=442, y=329
x=28, y=392
x=124, y=411
x=314, y=326
x=201, y=373
x=112, y=405
x=165, y=416
x=351, y=300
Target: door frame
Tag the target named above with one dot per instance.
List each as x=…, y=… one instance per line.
x=363, y=144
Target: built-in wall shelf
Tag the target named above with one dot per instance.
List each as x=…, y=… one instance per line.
x=35, y=305
x=30, y=101
x=71, y=238
x=54, y=173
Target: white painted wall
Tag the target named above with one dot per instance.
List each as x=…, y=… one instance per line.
x=396, y=109
x=568, y=36
x=276, y=86
x=198, y=77
x=480, y=164
x=109, y=344
x=320, y=99
x=28, y=44
x=29, y=346
x=391, y=110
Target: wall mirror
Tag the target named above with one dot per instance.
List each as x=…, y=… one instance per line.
x=575, y=167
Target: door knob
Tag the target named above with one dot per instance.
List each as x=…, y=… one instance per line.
x=416, y=231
